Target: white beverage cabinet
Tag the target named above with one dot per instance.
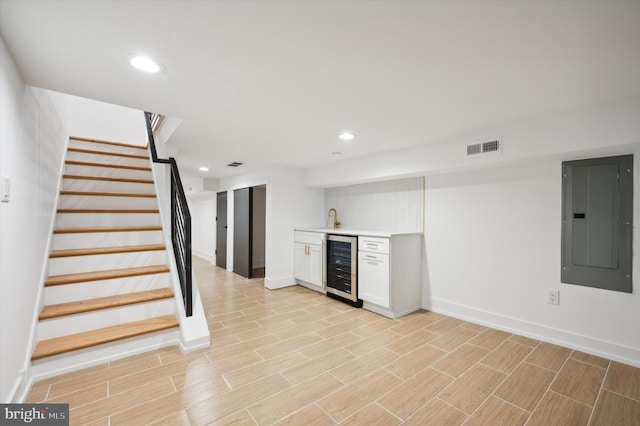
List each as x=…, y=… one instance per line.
x=389, y=273
x=373, y=270
x=309, y=259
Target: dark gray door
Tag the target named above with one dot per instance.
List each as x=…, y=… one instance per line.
x=221, y=230
x=242, y=231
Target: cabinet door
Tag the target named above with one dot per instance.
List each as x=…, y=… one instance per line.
x=300, y=262
x=314, y=259
x=373, y=278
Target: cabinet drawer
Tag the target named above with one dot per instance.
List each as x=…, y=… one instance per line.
x=308, y=237
x=373, y=244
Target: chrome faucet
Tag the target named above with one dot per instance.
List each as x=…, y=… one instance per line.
x=336, y=224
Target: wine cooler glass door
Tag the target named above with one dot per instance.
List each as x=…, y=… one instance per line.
x=341, y=266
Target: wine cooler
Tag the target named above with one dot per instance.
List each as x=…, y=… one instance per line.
x=342, y=266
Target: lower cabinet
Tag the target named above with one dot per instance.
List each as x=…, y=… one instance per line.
x=389, y=269
x=373, y=278
x=308, y=259
x=390, y=274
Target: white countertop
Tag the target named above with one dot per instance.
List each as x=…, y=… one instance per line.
x=346, y=231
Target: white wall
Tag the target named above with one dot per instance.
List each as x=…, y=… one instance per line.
x=203, y=226
x=94, y=120
x=32, y=145
x=393, y=205
x=289, y=204
x=493, y=250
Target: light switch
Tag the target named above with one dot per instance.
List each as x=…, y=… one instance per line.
x=6, y=189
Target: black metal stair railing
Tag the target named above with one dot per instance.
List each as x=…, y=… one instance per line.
x=180, y=218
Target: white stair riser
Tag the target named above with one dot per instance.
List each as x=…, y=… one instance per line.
x=71, y=324
x=108, y=159
x=104, y=262
x=92, y=289
x=83, y=358
x=102, y=202
x=107, y=186
x=74, y=169
x=105, y=220
x=106, y=147
x=106, y=239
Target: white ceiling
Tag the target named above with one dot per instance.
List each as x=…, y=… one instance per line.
x=274, y=82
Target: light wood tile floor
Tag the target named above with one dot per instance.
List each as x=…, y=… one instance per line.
x=295, y=357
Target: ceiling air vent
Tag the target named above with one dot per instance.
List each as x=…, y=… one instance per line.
x=491, y=146
x=235, y=164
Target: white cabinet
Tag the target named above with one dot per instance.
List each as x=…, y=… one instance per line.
x=390, y=273
x=373, y=277
x=373, y=270
x=309, y=259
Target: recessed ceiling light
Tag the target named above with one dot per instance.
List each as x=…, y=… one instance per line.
x=145, y=64
x=204, y=169
x=346, y=136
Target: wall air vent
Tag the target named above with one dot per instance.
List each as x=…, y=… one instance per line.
x=478, y=149
x=474, y=149
x=235, y=164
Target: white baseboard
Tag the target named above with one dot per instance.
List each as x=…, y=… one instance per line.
x=276, y=283
x=378, y=310
x=195, y=345
x=388, y=312
x=591, y=345
x=210, y=257
x=311, y=286
x=15, y=396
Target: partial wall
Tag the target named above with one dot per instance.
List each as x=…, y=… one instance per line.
x=289, y=204
x=493, y=250
x=32, y=145
x=93, y=119
x=395, y=205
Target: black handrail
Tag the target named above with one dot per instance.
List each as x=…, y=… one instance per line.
x=180, y=218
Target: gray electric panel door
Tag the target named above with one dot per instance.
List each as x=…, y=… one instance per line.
x=597, y=211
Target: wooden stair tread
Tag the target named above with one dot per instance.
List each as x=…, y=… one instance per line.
x=88, y=339
x=124, y=145
x=109, y=229
x=71, y=308
x=112, y=166
x=110, y=211
x=104, y=275
x=107, y=194
x=106, y=250
x=108, y=179
x=114, y=154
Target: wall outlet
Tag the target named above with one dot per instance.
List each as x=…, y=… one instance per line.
x=553, y=297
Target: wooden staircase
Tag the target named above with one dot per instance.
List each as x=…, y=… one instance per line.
x=108, y=274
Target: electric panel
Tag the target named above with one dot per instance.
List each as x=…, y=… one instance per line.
x=597, y=227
